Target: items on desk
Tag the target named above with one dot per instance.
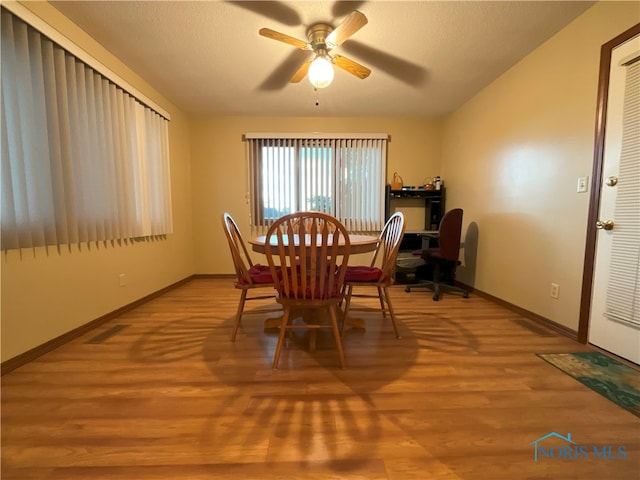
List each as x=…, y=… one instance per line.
x=434, y=183
x=397, y=182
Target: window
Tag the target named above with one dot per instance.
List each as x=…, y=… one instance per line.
x=342, y=175
x=82, y=159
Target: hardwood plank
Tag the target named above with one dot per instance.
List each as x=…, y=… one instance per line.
x=461, y=396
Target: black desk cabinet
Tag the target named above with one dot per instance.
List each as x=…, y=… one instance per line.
x=411, y=268
x=433, y=203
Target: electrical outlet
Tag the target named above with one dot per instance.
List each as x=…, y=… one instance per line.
x=583, y=184
x=123, y=279
x=555, y=291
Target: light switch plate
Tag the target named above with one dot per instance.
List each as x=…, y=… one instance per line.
x=583, y=184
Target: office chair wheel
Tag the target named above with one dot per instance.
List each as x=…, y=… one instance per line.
x=465, y=295
x=436, y=297
x=407, y=289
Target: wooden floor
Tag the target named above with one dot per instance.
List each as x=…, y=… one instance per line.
x=167, y=396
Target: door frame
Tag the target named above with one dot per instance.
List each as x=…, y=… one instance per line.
x=596, y=178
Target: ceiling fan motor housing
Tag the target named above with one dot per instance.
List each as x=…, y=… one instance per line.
x=317, y=35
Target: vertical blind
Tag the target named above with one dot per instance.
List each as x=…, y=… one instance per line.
x=82, y=160
x=342, y=175
x=623, y=290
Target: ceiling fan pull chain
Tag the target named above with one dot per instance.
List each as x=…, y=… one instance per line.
x=317, y=100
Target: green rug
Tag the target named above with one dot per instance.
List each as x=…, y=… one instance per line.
x=610, y=378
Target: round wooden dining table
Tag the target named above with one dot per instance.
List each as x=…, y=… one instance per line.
x=358, y=243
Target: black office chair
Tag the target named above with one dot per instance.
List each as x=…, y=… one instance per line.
x=445, y=257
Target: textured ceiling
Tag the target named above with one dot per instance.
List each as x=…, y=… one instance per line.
x=427, y=57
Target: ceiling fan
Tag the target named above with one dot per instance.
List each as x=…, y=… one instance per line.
x=323, y=39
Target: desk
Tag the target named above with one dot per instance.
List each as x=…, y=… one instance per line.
x=358, y=244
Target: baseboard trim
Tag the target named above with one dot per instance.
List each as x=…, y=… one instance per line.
x=550, y=324
x=24, y=358
x=213, y=275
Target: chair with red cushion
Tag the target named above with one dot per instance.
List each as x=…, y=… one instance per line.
x=444, y=257
x=248, y=275
x=380, y=272
x=309, y=271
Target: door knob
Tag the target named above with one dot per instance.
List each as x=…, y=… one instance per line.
x=612, y=181
x=606, y=225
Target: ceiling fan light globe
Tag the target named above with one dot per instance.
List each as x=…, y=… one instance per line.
x=321, y=72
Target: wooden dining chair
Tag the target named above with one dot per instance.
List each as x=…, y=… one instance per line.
x=309, y=263
x=249, y=276
x=379, y=273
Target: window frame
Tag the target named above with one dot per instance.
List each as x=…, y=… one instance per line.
x=349, y=154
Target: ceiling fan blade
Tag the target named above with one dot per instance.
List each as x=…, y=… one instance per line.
x=301, y=73
x=281, y=37
x=342, y=8
x=350, y=25
x=405, y=71
x=350, y=66
x=279, y=77
x=276, y=11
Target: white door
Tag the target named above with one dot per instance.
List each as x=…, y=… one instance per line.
x=617, y=333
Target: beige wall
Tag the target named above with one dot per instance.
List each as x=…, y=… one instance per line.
x=220, y=169
x=47, y=293
x=512, y=157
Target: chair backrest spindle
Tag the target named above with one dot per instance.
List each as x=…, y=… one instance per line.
x=242, y=262
x=315, y=269
x=390, y=238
